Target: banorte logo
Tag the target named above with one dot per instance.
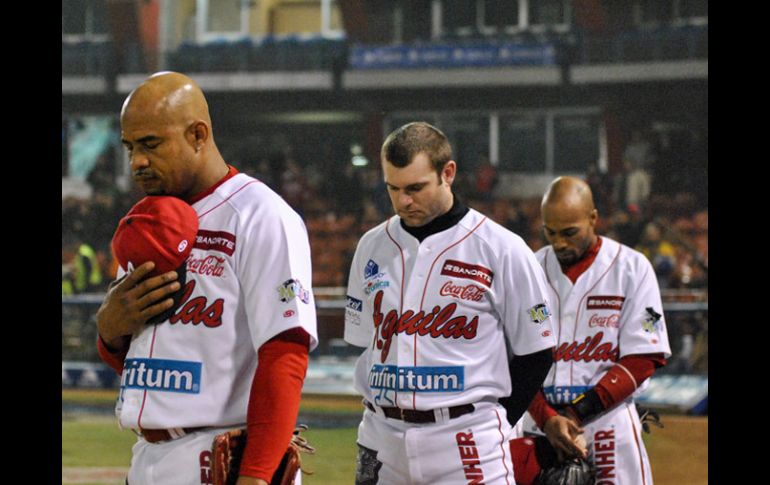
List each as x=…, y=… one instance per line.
x=440, y=322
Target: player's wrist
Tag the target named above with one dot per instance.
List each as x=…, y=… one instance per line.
x=116, y=344
x=585, y=407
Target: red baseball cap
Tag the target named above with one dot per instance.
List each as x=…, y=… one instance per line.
x=158, y=228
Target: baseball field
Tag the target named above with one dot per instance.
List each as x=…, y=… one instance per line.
x=96, y=452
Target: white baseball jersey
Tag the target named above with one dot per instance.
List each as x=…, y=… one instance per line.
x=248, y=279
x=439, y=319
x=614, y=309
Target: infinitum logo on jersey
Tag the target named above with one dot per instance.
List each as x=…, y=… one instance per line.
x=603, y=302
x=162, y=375
x=215, y=240
x=417, y=379
x=563, y=394
x=473, y=272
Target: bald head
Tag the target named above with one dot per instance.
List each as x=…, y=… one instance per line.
x=166, y=128
x=171, y=97
x=569, y=218
x=569, y=192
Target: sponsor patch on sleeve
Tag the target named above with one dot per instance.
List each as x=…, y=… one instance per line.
x=354, y=304
x=293, y=289
x=539, y=313
x=651, y=320
x=352, y=317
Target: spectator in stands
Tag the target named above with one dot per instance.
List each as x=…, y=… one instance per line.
x=659, y=251
x=81, y=271
x=485, y=179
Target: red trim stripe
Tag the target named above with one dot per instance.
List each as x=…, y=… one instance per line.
x=580, y=305
x=502, y=448
x=229, y=197
x=638, y=447
x=403, y=273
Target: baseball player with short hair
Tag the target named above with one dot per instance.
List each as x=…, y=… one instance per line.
x=611, y=338
x=235, y=351
x=442, y=299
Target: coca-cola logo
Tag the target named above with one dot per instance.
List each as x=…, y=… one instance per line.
x=439, y=322
x=197, y=310
x=470, y=292
x=207, y=266
x=591, y=349
x=611, y=321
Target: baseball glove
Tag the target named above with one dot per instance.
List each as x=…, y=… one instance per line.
x=575, y=471
x=647, y=416
x=227, y=451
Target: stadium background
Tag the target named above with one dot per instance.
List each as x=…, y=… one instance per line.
x=302, y=93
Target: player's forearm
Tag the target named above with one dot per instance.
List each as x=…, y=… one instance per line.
x=113, y=355
x=527, y=375
x=615, y=386
x=273, y=406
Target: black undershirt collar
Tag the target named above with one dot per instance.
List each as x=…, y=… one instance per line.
x=440, y=223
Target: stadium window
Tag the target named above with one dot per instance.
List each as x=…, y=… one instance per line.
x=652, y=13
x=576, y=142
x=415, y=20
x=83, y=20
x=224, y=19
x=523, y=143
x=459, y=17
x=499, y=16
x=549, y=14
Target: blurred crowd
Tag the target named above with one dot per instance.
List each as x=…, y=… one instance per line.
x=671, y=229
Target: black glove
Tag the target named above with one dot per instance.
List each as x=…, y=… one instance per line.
x=575, y=471
x=647, y=416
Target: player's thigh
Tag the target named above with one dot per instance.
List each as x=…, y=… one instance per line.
x=183, y=461
x=463, y=450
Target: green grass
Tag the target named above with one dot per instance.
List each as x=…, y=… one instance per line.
x=334, y=462
x=95, y=442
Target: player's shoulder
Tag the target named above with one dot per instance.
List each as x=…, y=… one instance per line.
x=375, y=234
x=626, y=257
x=492, y=234
x=253, y=199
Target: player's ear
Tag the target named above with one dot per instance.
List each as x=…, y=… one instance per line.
x=198, y=134
x=449, y=172
x=593, y=217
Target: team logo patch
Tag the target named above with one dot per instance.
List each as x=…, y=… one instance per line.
x=417, y=379
x=373, y=278
x=215, y=240
x=604, y=302
x=162, y=375
x=288, y=313
x=371, y=269
x=293, y=289
x=546, y=333
x=474, y=272
x=354, y=304
x=651, y=320
x=470, y=292
x=539, y=313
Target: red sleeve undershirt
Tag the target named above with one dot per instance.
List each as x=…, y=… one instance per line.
x=274, y=402
x=615, y=386
x=113, y=358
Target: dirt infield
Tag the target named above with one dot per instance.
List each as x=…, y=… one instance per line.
x=679, y=451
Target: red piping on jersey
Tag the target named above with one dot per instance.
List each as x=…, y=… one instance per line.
x=425, y=291
x=577, y=313
x=638, y=448
x=231, y=172
x=502, y=440
x=403, y=273
x=558, y=297
x=144, y=397
x=228, y=198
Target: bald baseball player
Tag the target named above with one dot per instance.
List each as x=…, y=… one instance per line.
x=441, y=299
x=235, y=351
x=611, y=338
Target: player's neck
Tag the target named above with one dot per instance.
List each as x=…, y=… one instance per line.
x=441, y=223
